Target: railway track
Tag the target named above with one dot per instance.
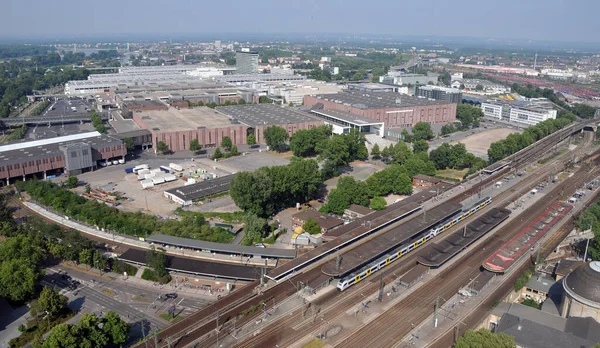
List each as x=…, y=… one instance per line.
x=281, y=333
x=416, y=307
x=194, y=327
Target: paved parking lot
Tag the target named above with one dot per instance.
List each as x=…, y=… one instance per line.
x=152, y=198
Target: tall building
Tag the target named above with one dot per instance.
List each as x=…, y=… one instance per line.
x=527, y=113
x=246, y=62
x=451, y=95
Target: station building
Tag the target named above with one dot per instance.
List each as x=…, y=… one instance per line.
x=393, y=109
x=71, y=154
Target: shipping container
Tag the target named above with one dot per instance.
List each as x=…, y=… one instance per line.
x=170, y=177
x=140, y=167
x=147, y=184
x=165, y=169
x=158, y=180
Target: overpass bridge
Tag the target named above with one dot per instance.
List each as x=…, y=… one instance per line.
x=49, y=120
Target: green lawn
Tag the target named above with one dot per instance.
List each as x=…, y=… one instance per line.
x=452, y=173
x=169, y=318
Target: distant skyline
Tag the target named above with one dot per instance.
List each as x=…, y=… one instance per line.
x=550, y=20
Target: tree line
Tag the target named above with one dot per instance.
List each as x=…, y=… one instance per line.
x=97, y=122
x=515, y=141
x=213, y=105
x=134, y=224
x=581, y=110
x=590, y=219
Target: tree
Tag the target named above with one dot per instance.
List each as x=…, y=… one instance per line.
x=18, y=279
x=88, y=188
x=129, y=144
x=85, y=257
x=90, y=332
x=157, y=260
x=234, y=151
x=385, y=153
x=50, y=301
x=355, y=140
x=468, y=115
x=375, y=152
x=422, y=131
x=226, y=143
x=251, y=139
x=195, y=146
x=302, y=143
x=276, y=137
x=217, y=154
x=162, y=147
x=348, y=192
x=378, y=203
x=484, y=338
x=72, y=182
x=400, y=153
x=405, y=136
x=334, y=150
x=420, y=146
x=447, y=129
x=115, y=328
x=63, y=336
x=479, y=88
x=251, y=192
x=311, y=226
x=255, y=229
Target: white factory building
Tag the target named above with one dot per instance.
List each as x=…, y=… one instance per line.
x=524, y=113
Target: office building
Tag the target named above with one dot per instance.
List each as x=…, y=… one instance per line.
x=523, y=113
x=451, y=95
x=246, y=62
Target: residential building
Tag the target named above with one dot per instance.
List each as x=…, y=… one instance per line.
x=451, y=95
x=246, y=62
x=524, y=113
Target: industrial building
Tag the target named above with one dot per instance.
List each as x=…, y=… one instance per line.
x=341, y=122
x=450, y=95
x=71, y=154
x=487, y=87
x=524, y=113
x=244, y=78
x=178, y=126
x=399, y=78
x=393, y=109
x=292, y=91
x=246, y=62
x=374, y=87
x=258, y=117
x=144, y=76
x=186, y=195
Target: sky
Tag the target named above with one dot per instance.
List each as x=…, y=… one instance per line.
x=548, y=20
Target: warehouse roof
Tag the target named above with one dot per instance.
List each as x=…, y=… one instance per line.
x=202, y=189
x=175, y=119
x=346, y=117
x=22, y=150
x=378, y=100
x=221, y=247
x=254, y=115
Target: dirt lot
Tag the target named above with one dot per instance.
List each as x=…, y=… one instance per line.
x=360, y=171
x=479, y=143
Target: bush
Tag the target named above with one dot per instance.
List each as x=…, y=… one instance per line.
x=150, y=275
x=119, y=266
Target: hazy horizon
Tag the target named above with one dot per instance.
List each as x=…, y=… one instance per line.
x=519, y=21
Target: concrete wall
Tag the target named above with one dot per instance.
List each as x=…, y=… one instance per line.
x=406, y=116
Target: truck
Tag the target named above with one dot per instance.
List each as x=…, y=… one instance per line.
x=165, y=169
x=176, y=167
x=129, y=170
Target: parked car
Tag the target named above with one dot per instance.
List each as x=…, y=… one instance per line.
x=171, y=295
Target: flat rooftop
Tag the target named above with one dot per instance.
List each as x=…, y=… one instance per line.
x=378, y=100
x=221, y=247
x=346, y=117
x=174, y=119
x=202, y=189
x=19, y=151
x=254, y=115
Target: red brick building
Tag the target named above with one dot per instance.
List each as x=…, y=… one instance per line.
x=394, y=109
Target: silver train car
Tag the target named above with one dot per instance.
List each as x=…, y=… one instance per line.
x=404, y=249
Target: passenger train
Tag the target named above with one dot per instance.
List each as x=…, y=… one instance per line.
x=404, y=249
